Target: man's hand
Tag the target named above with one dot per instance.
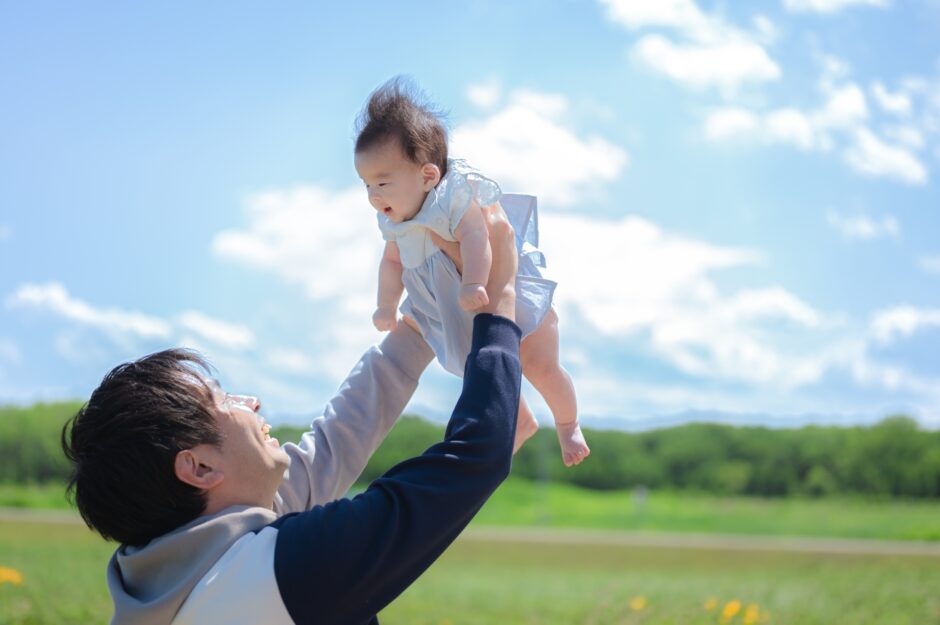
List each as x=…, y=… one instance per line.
x=501, y=285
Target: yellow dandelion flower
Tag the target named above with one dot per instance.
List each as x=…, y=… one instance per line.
x=637, y=603
x=711, y=603
x=10, y=575
x=751, y=614
x=731, y=608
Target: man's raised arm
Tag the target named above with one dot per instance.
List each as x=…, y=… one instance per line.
x=335, y=451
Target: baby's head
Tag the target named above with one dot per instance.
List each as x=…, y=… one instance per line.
x=401, y=150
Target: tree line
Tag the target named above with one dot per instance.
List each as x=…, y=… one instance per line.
x=893, y=457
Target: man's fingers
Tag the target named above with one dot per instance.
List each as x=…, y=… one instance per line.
x=451, y=248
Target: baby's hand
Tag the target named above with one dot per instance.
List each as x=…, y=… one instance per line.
x=385, y=319
x=473, y=296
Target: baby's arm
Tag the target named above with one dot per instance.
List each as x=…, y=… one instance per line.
x=385, y=317
x=476, y=256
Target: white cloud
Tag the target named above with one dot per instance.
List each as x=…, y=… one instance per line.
x=830, y=6
x=223, y=333
x=863, y=227
x=713, y=53
x=726, y=64
x=765, y=29
x=192, y=328
x=526, y=147
x=682, y=15
x=842, y=118
x=660, y=293
x=896, y=103
x=53, y=297
x=328, y=244
x=486, y=95
x=731, y=122
x=930, y=264
x=790, y=126
x=5, y=232
x=870, y=155
x=902, y=321
x=845, y=108
x=908, y=136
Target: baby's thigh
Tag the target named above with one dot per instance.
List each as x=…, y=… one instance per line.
x=539, y=350
x=411, y=323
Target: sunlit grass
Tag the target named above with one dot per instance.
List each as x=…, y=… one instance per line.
x=62, y=569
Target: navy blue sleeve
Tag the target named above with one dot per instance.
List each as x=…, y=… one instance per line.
x=343, y=562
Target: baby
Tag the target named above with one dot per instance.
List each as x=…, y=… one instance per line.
x=401, y=155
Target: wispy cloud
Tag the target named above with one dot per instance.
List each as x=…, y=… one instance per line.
x=53, y=297
x=709, y=52
x=898, y=103
x=831, y=6
x=5, y=232
x=216, y=331
x=870, y=155
x=930, y=263
x=485, y=95
x=902, y=321
x=327, y=244
x=862, y=226
x=843, y=119
x=527, y=147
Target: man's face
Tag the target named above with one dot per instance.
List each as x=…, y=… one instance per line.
x=395, y=185
x=253, y=462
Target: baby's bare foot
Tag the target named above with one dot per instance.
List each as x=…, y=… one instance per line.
x=526, y=426
x=574, y=448
x=473, y=296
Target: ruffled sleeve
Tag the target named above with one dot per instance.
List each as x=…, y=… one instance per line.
x=467, y=185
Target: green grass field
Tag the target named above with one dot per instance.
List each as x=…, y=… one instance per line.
x=522, y=503
x=484, y=583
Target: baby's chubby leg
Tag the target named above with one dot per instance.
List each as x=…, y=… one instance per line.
x=540, y=366
x=526, y=425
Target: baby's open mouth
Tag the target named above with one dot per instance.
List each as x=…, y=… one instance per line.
x=387, y=210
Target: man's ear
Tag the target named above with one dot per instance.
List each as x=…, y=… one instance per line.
x=430, y=176
x=197, y=467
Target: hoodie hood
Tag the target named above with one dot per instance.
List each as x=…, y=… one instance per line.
x=149, y=584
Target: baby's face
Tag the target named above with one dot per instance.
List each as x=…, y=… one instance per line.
x=396, y=186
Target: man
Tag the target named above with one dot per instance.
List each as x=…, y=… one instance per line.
x=211, y=528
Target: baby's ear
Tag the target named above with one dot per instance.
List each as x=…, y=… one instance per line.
x=431, y=175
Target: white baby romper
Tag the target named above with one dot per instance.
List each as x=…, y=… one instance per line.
x=430, y=277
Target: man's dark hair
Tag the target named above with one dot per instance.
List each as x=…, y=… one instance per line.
x=398, y=111
x=123, y=445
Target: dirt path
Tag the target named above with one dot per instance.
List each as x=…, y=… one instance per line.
x=705, y=541
x=715, y=542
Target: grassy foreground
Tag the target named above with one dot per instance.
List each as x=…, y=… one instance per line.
x=481, y=583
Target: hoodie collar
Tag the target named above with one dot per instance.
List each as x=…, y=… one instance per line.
x=149, y=584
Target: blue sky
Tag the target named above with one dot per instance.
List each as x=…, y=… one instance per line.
x=738, y=200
